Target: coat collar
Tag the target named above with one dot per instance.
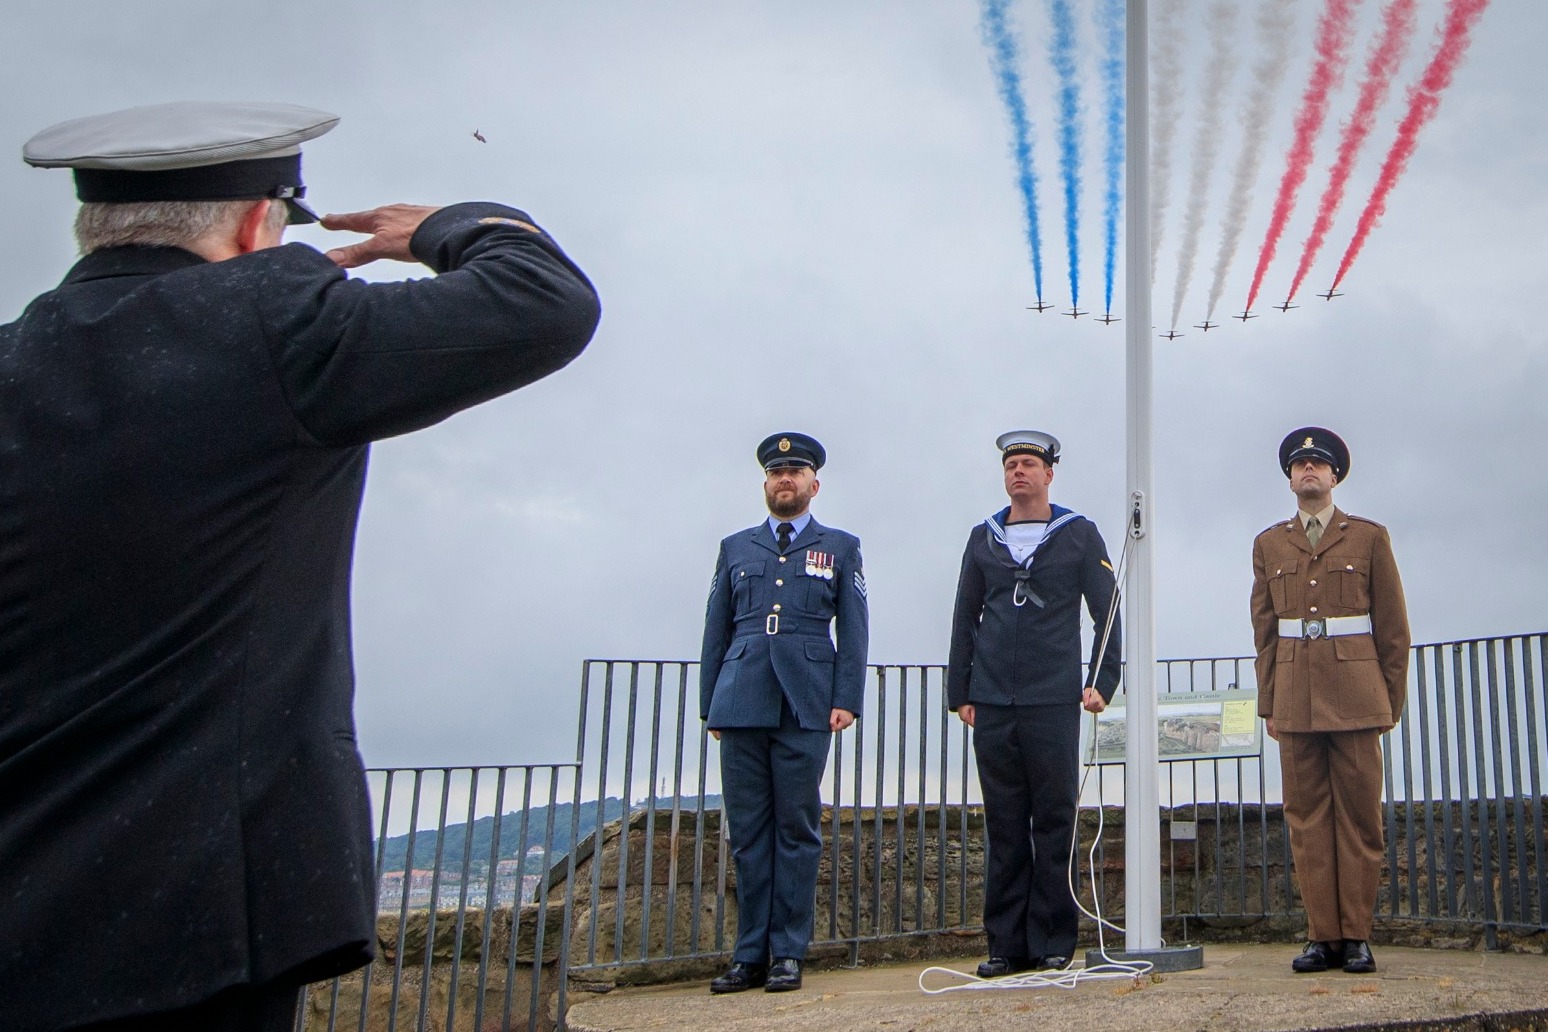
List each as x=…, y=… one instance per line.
x=131, y=261
x=1296, y=532
x=763, y=535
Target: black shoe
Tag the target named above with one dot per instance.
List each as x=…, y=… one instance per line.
x=740, y=977
x=999, y=967
x=1318, y=956
x=1053, y=962
x=784, y=976
x=1357, y=957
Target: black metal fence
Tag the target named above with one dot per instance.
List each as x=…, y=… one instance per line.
x=498, y=884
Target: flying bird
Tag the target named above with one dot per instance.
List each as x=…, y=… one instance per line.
x=479, y=136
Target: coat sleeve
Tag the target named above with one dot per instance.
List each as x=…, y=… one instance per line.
x=853, y=617
x=1098, y=584
x=1389, y=622
x=717, y=632
x=1265, y=630
x=361, y=361
x=965, y=615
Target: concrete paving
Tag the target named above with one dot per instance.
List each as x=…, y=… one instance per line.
x=1241, y=988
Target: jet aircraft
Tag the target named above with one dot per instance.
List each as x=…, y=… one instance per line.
x=1108, y=318
x=1170, y=335
x=1286, y=306
x=1206, y=325
x=1245, y=315
x=1331, y=294
x=1041, y=306
x=1074, y=313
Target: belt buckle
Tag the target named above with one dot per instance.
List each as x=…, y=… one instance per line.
x=771, y=624
x=1316, y=628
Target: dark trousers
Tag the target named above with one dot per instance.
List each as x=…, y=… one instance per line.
x=1029, y=770
x=242, y=1008
x=771, y=778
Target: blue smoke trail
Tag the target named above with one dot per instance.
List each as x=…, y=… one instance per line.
x=1004, y=63
x=1110, y=15
x=1062, y=53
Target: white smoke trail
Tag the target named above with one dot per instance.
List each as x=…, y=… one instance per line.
x=1166, y=107
x=1275, y=20
x=1221, y=23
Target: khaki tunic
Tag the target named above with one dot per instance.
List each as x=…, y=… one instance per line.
x=1346, y=683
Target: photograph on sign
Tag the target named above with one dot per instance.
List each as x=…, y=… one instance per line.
x=1189, y=726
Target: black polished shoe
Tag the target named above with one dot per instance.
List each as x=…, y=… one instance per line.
x=784, y=976
x=1053, y=962
x=740, y=977
x=999, y=967
x=1357, y=957
x=1318, y=956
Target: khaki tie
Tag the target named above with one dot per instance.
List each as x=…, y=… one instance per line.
x=1314, y=531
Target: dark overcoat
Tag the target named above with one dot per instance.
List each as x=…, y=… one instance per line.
x=182, y=454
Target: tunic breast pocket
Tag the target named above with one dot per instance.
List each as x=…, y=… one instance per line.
x=749, y=587
x=819, y=595
x=1279, y=587
x=1353, y=574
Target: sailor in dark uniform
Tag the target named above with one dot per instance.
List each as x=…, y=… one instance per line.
x=773, y=689
x=1014, y=677
x=185, y=833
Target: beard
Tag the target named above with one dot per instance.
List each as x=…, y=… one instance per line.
x=787, y=505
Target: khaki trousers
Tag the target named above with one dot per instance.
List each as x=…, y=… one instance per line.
x=1332, y=785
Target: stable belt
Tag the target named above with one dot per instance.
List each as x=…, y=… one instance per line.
x=1327, y=627
x=781, y=623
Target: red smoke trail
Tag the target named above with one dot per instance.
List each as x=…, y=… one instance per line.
x=1397, y=28
x=1423, y=101
x=1334, y=29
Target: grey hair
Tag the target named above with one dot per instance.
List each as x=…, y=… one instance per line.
x=161, y=223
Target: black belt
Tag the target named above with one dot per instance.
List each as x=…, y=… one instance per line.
x=782, y=623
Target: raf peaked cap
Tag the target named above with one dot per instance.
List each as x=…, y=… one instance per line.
x=1028, y=442
x=1313, y=442
x=187, y=151
x=790, y=449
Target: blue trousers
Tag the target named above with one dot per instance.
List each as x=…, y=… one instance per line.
x=771, y=778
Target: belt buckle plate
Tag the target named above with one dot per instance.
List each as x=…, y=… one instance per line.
x=771, y=624
x=1316, y=628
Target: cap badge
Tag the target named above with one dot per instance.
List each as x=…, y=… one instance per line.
x=784, y=444
x=1306, y=443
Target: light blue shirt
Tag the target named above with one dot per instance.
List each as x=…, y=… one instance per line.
x=799, y=523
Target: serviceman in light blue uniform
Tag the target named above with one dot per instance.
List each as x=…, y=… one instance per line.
x=773, y=689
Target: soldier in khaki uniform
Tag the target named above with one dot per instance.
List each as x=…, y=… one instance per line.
x=1331, y=631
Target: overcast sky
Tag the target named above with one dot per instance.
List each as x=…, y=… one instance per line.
x=801, y=215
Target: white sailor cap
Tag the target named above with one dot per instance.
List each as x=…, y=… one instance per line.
x=186, y=151
x=1028, y=442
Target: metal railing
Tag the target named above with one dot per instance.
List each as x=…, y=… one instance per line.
x=497, y=884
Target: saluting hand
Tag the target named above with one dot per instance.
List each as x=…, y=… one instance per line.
x=391, y=227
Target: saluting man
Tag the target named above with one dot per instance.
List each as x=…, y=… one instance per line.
x=184, y=428
x=1331, y=630
x=773, y=689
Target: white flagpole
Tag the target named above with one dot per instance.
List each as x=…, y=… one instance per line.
x=1141, y=797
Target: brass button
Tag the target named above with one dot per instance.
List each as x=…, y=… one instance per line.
x=776, y=607
x=1349, y=567
x=1279, y=571
x=781, y=558
x=1314, y=608
x=779, y=583
x=1314, y=584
